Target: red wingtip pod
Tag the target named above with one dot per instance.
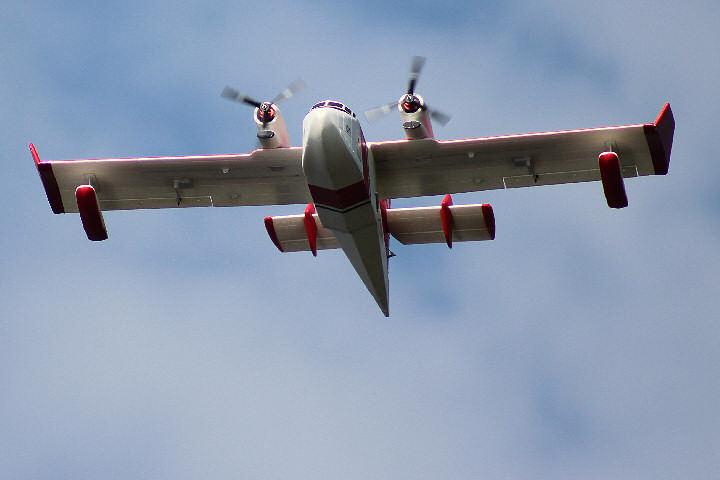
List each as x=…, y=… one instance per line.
x=311, y=228
x=90, y=213
x=447, y=219
x=612, y=180
x=270, y=227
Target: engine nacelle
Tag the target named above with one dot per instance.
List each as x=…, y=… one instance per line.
x=272, y=131
x=415, y=116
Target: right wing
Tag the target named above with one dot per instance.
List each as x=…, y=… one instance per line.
x=410, y=168
x=263, y=177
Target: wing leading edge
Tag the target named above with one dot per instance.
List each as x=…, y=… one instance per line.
x=410, y=168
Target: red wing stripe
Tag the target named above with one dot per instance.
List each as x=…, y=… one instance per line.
x=341, y=199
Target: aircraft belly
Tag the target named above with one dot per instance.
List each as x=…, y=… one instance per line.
x=359, y=232
x=341, y=194
x=348, y=221
x=365, y=249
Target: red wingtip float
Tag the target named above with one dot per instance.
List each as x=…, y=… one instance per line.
x=90, y=213
x=347, y=183
x=612, y=180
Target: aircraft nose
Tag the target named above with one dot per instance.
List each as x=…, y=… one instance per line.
x=329, y=158
x=323, y=126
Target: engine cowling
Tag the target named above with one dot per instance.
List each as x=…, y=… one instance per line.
x=272, y=131
x=415, y=116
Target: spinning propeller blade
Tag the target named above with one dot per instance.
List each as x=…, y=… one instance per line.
x=375, y=114
x=267, y=112
x=232, y=94
x=415, y=69
x=297, y=86
x=416, y=66
x=440, y=117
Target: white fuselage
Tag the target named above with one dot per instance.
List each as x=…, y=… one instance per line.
x=339, y=170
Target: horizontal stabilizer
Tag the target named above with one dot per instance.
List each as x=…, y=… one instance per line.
x=289, y=234
x=410, y=226
x=425, y=224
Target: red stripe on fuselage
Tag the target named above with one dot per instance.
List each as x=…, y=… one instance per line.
x=341, y=200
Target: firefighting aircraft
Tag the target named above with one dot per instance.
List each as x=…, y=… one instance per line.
x=348, y=183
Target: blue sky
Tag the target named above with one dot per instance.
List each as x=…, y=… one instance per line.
x=582, y=342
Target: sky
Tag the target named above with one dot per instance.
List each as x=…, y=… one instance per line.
x=580, y=343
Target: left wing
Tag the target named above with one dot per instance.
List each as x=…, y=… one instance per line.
x=263, y=177
x=410, y=168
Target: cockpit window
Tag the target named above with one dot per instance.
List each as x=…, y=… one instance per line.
x=335, y=105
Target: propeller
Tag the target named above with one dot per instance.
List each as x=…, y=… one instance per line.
x=410, y=103
x=266, y=112
x=415, y=68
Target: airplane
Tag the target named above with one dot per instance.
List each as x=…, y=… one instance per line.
x=348, y=183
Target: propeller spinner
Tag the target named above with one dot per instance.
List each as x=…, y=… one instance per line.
x=410, y=102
